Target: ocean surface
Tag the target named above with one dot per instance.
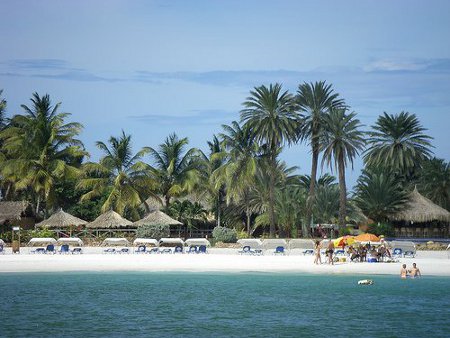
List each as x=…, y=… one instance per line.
x=221, y=305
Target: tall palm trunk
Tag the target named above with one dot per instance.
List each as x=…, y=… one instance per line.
x=248, y=214
x=312, y=188
x=342, y=191
x=272, y=196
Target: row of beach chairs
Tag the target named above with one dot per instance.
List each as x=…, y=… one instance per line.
x=50, y=249
x=142, y=249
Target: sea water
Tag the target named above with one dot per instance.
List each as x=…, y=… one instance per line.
x=221, y=305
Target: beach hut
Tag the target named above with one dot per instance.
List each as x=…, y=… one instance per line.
x=416, y=213
x=19, y=213
x=61, y=222
x=110, y=221
x=156, y=217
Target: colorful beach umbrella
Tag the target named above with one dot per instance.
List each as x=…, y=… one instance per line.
x=348, y=240
x=367, y=238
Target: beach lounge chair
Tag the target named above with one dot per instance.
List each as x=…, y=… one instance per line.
x=166, y=250
x=50, y=249
x=140, y=249
x=76, y=251
x=279, y=250
x=124, y=251
x=178, y=249
x=153, y=251
x=246, y=250
x=64, y=249
x=38, y=251
x=308, y=252
x=339, y=252
x=192, y=249
x=201, y=249
x=409, y=254
x=397, y=252
x=109, y=251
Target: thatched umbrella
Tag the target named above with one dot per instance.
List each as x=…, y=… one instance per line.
x=12, y=210
x=420, y=209
x=157, y=217
x=61, y=220
x=109, y=220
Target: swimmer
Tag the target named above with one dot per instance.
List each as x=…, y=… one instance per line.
x=415, y=272
x=403, y=271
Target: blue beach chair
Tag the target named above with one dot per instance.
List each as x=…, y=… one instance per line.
x=409, y=254
x=140, y=249
x=64, y=249
x=109, y=251
x=202, y=249
x=50, y=249
x=397, y=253
x=246, y=250
x=178, y=249
x=308, y=252
x=76, y=251
x=192, y=249
x=279, y=250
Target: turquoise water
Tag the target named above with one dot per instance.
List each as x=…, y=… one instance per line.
x=221, y=305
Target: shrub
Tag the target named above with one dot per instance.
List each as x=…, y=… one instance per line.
x=242, y=234
x=344, y=231
x=226, y=235
x=381, y=229
x=44, y=233
x=153, y=231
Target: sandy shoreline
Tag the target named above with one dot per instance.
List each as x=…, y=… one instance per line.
x=431, y=263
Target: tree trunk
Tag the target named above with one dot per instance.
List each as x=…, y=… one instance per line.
x=272, y=198
x=167, y=201
x=247, y=213
x=312, y=187
x=342, y=192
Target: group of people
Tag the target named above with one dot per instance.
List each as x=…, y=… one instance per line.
x=328, y=252
x=413, y=272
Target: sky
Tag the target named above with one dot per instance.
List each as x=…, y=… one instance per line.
x=152, y=68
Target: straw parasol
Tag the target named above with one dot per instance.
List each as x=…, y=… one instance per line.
x=156, y=217
x=12, y=210
x=420, y=209
x=60, y=220
x=109, y=220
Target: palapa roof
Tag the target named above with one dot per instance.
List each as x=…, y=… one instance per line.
x=109, y=220
x=420, y=209
x=157, y=217
x=153, y=204
x=12, y=210
x=61, y=219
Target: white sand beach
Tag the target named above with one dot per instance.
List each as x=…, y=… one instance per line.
x=431, y=263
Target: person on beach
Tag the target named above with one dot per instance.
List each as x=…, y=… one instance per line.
x=403, y=271
x=414, y=271
x=329, y=252
x=318, y=258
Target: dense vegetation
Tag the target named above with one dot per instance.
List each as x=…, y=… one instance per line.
x=240, y=183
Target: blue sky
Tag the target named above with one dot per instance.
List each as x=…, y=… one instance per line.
x=156, y=67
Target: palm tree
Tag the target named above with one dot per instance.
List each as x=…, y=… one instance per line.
x=379, y=193
x=315, y=100
x=434, y=181
x=270, y=115
x=122, y=176
x=342, y=142
x=176, y=171
x=237, y=174
x=42, y=149
x=2, y=111
x=398, y=142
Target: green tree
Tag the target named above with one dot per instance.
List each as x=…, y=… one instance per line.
x=342, y=142
x=379, y=194
x=237, y=174
x=315, y=100
x=42, y=149
x=398, y=142
x=176, y=171
x=119, y=175
x=434, y=181
x=270, y=114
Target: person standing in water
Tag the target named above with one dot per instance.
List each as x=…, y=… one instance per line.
x=415, y=272
x=318, y=258
x=403, y=271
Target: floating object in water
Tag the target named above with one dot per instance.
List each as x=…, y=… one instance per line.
x=365, y=282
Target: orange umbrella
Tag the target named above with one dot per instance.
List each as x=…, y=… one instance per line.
x=367, y=238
